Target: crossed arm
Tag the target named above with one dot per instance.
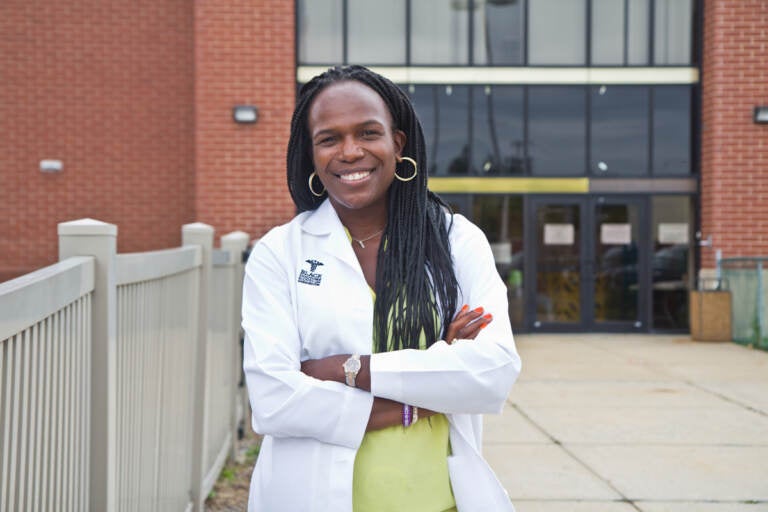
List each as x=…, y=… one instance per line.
x=387, y=413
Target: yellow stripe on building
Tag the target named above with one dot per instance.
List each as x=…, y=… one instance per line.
x=509, y=185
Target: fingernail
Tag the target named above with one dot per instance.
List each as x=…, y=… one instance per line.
x=479, y=310
x=483, y=326
x=488, y=316
x=464, y=308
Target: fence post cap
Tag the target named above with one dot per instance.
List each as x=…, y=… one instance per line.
x=87, y=227
x=236, y=236
x=197, y=227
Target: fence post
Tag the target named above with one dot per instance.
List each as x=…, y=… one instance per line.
x=202, y=235
x=88, y=237
x=235, y=243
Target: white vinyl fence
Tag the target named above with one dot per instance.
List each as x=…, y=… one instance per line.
x=119, y=374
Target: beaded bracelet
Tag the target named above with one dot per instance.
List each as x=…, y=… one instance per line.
x=407, y=415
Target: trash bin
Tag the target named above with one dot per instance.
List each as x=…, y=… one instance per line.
x=710, y=311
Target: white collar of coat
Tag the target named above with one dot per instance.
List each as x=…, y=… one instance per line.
x=325, y=221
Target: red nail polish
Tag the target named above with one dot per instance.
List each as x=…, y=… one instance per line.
x=464, y=308
x=483, y=326
x=479, y=310
x=488, y=316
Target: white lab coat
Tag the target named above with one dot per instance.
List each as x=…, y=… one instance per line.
x=305, y=297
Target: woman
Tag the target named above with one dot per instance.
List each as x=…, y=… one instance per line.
x=362, y=406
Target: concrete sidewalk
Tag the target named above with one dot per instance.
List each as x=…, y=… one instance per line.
x=622, y=423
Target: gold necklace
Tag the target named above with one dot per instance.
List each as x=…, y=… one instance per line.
x=361, y=241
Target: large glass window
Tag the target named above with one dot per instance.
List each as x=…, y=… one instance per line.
x=619, y=32
x=619, y=130
x=498, y=145
x=557, y=32
x=444, y=114
x=557, y=130
x=499, y=33
x=320, y=26
x=671, y=130
x=376, y=32
x=439, y=32
x=671, y=261
x=672, y=32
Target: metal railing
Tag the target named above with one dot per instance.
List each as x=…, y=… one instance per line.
x=119, y=374
x=748, y=282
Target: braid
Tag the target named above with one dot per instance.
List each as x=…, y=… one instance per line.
x=414, y=273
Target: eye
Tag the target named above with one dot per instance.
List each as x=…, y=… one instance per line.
x=370, y=133
x=325, y=141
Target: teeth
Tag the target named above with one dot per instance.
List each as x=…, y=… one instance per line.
x=355, y=176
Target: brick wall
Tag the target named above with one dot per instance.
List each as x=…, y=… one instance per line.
x=244, y=54
x=106, y=87
x=734, y=166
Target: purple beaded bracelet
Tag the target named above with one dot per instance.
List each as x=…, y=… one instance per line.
x=407, y=415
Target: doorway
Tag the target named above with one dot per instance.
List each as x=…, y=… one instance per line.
x=587, y=271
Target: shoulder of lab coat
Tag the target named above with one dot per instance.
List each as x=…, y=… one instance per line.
x=469, y=376
x=286, y=402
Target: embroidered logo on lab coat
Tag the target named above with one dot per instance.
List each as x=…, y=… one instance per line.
x=311, y=277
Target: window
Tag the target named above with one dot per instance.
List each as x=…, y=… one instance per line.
x=320, y=26
x=444, y=114
x=672, y=32
x=499, y=33
x=619, y=130
x=376, y=32
x=439, y=32
x=557, y=130
x=498, y=145
x=557, y=32
x=671, y=130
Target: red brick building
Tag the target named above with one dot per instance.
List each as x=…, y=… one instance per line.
x=135, y=100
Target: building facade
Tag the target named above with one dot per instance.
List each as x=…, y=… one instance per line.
x=607, y=148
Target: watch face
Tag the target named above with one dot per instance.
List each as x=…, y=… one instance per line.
x=351, y=365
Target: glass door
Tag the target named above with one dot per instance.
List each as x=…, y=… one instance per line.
x=556, y=250
x=587, y=270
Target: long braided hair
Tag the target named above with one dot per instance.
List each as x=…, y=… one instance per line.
x=414, y=272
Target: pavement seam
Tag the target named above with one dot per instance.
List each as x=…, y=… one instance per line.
x=727, y=398
x=557, y=442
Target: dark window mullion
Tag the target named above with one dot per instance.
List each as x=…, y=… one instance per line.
x=525, y=33
x=344, y=32
x=471, y=32
x=651, y=170
x=588, y=131
x=526, y=168
x=588, y=34
x=626, y=33
x=651, y=32
x=407, y=32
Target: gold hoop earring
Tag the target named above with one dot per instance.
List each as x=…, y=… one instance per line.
x=410, y=161
x=311, y=176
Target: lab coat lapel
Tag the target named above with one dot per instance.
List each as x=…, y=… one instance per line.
x=325, y=221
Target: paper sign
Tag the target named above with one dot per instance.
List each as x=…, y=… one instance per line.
x=673, y=232
x=615, y=234
x=558, y=234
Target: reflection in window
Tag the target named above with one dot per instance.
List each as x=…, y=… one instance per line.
x=376, y=33
x=557, y=130
x=670, y=262
x=499, y=33
x=439, y=32
x=501, y=219
x=557, y=32
x=637, y=32
x=444, y=114
x=671, y=130
x=497, y=130
x=672, y=29
x=619, y=130
x=320, y=31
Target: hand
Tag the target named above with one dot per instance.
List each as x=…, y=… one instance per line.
x=388, y=413
x=467, y=324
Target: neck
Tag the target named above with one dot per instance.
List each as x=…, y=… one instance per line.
x=363, y=223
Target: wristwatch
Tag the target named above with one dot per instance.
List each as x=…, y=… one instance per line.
x=351, y=367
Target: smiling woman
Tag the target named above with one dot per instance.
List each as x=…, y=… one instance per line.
x=365, y=374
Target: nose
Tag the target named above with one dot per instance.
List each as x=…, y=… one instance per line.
x=350, y=150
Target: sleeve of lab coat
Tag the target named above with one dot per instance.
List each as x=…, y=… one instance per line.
x=469, y=376
x=286, y=402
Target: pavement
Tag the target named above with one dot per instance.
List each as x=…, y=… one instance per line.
x=627, y=423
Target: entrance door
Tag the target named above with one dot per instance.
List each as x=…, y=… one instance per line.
x=586, y=271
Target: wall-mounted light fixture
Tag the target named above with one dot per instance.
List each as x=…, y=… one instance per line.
x=245, y=113
x=761, y=114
